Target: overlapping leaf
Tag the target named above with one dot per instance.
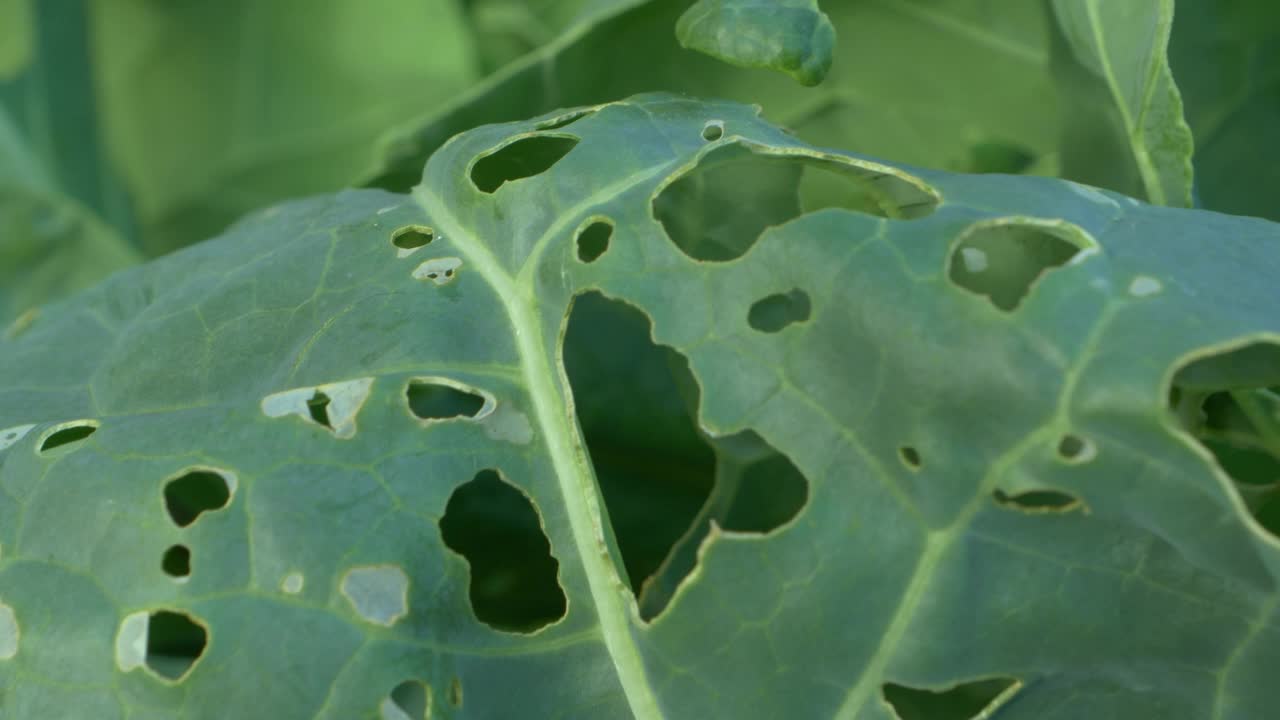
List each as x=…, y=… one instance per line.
x=792, y=36
x=975, y=349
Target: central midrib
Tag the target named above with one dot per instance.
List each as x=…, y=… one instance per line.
x=568, y=459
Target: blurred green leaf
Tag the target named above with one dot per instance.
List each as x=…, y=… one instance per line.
x=215, y=109
x=791, y=36
x=64, y=218
x=1226, y=56
x=15, y=37
x=1124, y=126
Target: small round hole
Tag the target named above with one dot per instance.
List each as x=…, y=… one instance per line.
x=412, y=237
x=176, y=562
x=1075, y=449
x=910, y=457
x=713, y=131
x=593, y=240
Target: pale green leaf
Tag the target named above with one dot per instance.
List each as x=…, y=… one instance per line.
x=998, y=498
x=791, y=36
x=1122, y=99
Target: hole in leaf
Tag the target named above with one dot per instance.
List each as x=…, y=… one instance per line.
x=712, y=131
x=775, y=312
x=444, y=400
x=1075, y=449
x=455, y=692
x=412, y=237
x=175, y=642
x=176, y=562
x=966, y=701
x=769, y=493
x=910, y=457
x=593, y=240
x=196, y=492
x=410, y=700
x=440, y=271
x=523, y=158
x=1002, y=260
x=633, y=399
x=1230, y=403
x=1038, y=501
x=68, y=434
x=664, y=483
x=318, y=409
x=717, y=210
x=999, y=157
x=514, y=576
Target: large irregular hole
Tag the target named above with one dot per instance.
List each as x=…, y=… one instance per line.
x=593, y=240
x=523, y=158
x=974, y=700
x=633, y=400
x=410, y=700
x=176, y=562
x=514, y=576
x=663, y=481
x=1002, y=260
x=775, y=312
x=1230, y=403
x=769, y=493
x=68, y=434
x=1038, y=501
x=175, y=643
x=195, y=492
x=717, y=210
x=441, y=399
